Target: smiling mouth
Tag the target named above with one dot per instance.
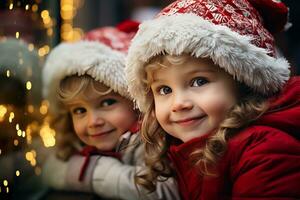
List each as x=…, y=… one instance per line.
x=102, y=133
x=190, y=121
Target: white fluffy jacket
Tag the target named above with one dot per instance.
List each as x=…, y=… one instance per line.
x=107, y=176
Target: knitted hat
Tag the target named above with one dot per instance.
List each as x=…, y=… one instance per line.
x=230, y=32
x=101, y=55
x=23, y=64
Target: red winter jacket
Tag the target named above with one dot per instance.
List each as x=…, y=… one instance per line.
x=262, y=161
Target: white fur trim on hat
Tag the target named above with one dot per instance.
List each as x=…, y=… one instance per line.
x=189, y=33
x=85, y=57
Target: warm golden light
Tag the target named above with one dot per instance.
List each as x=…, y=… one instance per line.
x=17, y=126
x=34, y=7
x=3, y=111
x=7, y=73
x=27, y=7
x=49, y=31
x=30, y=156
x=30, y=108
x=68, y=12
x=42, y=51
x=11, y=117
x=43, y=110
x=19, y=133
x=28, y=85
x=23, y=134
x=18, y=173
x=17, y=34
x=11, y=6
x=45, y=14
x=30, y=47
x=5, y=183
x=48, y=135
x=16, y=142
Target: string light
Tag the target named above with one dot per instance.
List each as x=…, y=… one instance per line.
x=30, y=108
x=28, y=85
x=11, y=117
x=3, y=111
x=44, y=107
x=11, y=6
x=16, y=142
x=7, y=73
x=27, y=7
x=68, y=12
x=34, y=7
x=49, y=31
x=17, y=34
x=23, y=134
x=30, y=47
x=30, y=156
x=5, y=183
x=48, y=135
x=18, y=173
x=19, y=133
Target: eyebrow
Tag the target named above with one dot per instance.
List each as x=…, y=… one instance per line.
x=70, y=105
x=194, y=71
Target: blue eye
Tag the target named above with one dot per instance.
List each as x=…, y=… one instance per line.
x=108, y=102
x=78, y=111
x=164, y=90
x=199, y=81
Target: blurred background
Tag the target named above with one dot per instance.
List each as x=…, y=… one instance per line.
x=29, y=29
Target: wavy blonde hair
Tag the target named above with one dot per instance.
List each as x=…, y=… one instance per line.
x=248, y=109
x=69, y=88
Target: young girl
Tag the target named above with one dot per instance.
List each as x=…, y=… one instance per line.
x=86, y=87
x=220, y=109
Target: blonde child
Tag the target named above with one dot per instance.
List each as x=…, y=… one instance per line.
x=220, y=109
x=94, y=115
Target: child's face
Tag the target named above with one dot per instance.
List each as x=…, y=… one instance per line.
x=192, y=98
x=100, y=120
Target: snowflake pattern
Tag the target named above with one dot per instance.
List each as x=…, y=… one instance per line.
x=111, y=37
x=238, y=15
x=229, y=8
x=185, y=3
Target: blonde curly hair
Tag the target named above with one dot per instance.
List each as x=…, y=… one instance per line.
x=250, y=107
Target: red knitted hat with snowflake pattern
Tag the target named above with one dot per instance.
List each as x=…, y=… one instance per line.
x=235, y=34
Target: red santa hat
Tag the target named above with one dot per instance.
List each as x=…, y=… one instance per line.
x=235, y=34
x=101, y=54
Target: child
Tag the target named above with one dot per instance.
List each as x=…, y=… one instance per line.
x=218, y=103
x=86, y=87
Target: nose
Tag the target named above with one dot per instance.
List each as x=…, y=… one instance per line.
x=181, y=102
x=94, y=120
